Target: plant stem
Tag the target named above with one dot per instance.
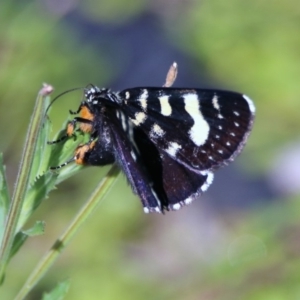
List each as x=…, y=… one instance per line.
x=22, y=181
x=65, y=238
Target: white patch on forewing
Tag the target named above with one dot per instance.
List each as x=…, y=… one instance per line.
x=165, y=107
x=250, y=103
x=140, y=118
x=215, y=102
x=143, y=99
x=156, y=131
x=200, y=129
x=173, y=148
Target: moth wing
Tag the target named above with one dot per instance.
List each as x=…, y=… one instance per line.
x=201, y=129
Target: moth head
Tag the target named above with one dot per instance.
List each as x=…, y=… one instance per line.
x=93, y=94
x=96, y=96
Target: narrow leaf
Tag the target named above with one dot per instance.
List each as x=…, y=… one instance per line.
x=23, y=178
x=59, y=292
x=37, y=229
x=20, y=238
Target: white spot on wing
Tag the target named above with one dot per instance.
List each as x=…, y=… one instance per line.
x=133, y=155
x=188, y=200
x=143, y=99
x=156, y=131
x=173, y=148
x=215, y=102
x=208, y=182
x=157, y=208
x=250, y=103
x=130, y=135
x=127, y=95
x=200, y=129
x=140, y=118
x=165, y=107
x=176, y=206
x=123, y=120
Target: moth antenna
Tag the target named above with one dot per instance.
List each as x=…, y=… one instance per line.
x=63, y=93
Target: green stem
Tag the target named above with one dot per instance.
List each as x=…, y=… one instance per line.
x=22, y=181
x=65, y=238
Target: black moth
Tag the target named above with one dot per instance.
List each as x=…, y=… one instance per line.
x=168, y=141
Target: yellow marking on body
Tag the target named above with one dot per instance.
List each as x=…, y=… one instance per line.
x=85, y=113
x=81, y=151
x=70, y=128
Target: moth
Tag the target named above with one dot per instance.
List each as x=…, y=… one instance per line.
x=167, y=141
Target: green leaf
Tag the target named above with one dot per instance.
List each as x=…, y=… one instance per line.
x=46, y=180
x=59, y=292
x=37, y=229
x=35, y=195
x=23, y=178
x=41, y=155
x=20, y=238
x=64, y=151
x=90, y=206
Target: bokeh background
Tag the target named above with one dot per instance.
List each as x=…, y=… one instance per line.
x=241, y=240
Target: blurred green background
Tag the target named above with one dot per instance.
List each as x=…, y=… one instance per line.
x=241, y=240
